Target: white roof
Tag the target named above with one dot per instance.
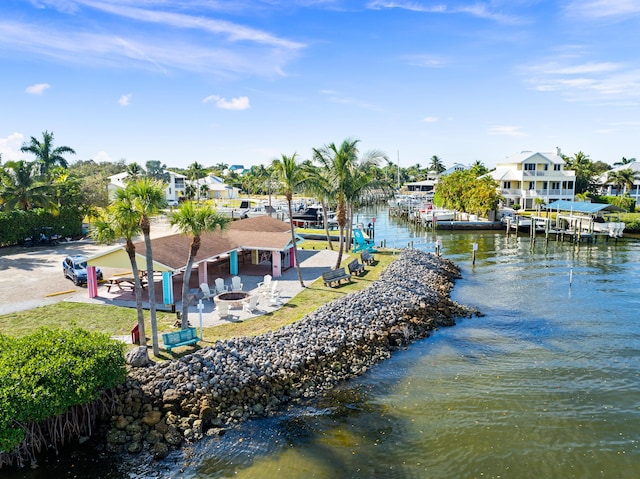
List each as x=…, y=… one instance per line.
x=503, y=173
x=524, y=156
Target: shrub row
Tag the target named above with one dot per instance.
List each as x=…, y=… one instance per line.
x=48, y=372
x=16, y=225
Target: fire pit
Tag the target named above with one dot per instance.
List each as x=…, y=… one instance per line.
x=233, y=298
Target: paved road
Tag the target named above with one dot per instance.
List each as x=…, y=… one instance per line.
x=32, y=277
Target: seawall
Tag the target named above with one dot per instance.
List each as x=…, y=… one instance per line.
x=169, y=404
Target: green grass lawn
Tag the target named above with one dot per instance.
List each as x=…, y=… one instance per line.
x=118, y=321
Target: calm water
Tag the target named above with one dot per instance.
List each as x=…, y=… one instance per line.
x=546, y=385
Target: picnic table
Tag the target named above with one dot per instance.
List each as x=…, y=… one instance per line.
x=123, y=283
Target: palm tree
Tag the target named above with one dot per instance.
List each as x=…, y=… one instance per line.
x=195, y=171
x=21, y=188
x=318, y=186
x=134, y=171
x=347, y=184
x=190, y=191
x=47, y=156
x=122, y=220
x=291, y=176
x=194, y=222
x=148, y=197
x=203, y=191
x=623, y=178
x=583, y=166
x=624, y=161
x=436, y=164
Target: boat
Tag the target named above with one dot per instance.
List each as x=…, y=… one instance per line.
x=437, y=214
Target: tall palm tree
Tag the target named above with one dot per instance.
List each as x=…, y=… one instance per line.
x=148, y=197
x=22, y=188
x=583, y=166
x=341, y=166
x=291, y=176
x=337, y=163
x=624, y=161
x=46, y=155
x=318, y=186
x=122, y=220
x=195, y=171
x=436, y=164
x=194, y=222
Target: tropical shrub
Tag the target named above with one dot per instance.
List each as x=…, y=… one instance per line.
x=44, y=375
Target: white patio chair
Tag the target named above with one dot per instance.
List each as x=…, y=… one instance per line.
x=274, y=298
x=220, y=286
x=236, y=285
x=265, y=284
x=223, y=310
x=251, y=304
x=206, y=292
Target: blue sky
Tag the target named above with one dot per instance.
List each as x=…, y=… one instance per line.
x=244, y=81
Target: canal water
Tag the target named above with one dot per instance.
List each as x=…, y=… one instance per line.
x=545, y=385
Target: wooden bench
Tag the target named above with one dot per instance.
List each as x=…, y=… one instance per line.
x=183, y=337
x=355, y=267
x=335, y=276
x=366, y=257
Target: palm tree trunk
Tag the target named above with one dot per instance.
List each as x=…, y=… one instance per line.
x=293, y=239
x=326, y=223
x=195, y=246
x=152, y=290
x=349, y=227
x=131, y=251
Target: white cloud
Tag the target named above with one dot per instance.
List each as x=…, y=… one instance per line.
x=125, y=100
x=476, y=9
x=504, y=130
x=10, y=147
x=586, y=81
x=102, y=156
x=430, y=119
x=239, y=103
x=37, y=89
x=337, y=97
x=425, y=61
x=597, y=9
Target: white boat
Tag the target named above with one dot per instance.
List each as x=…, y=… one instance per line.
x=437, y=214
x=276, y=211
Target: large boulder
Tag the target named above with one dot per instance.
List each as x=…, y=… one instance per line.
x=138, y=357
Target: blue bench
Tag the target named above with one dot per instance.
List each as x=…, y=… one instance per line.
x=183, y=337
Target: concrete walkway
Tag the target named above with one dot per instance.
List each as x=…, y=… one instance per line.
x=312, y=265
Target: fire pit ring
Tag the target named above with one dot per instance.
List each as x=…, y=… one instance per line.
x=233, y=298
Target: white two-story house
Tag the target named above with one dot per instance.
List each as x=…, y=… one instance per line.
x=175, y=186
x=528, y=175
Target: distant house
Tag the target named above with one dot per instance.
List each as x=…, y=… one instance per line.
x=216, y=187
x=174, y=191
x=528, y=175
x=453, y=169
x=609, y=189
x=426, y=187
x=237, y=169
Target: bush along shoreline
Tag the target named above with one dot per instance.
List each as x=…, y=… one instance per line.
x=54, y=385
x=167, y=405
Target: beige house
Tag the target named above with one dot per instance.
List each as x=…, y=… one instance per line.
x=528, y=175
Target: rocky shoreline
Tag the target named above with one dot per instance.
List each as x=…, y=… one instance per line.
x=167, y=405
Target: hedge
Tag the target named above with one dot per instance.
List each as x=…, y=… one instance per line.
x=45, y=374
x=16, y=225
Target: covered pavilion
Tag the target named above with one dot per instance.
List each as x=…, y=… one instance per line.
x=254, y=246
